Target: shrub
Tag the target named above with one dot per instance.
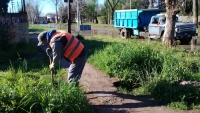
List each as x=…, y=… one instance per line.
x=101, y=19
x=152, y=69
x=80, y=37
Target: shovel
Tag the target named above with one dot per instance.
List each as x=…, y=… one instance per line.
x=52, y=70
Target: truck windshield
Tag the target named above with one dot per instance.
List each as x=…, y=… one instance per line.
x=154, y=20
x=162, y=20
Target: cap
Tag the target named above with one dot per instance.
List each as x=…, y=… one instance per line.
x=41, y=37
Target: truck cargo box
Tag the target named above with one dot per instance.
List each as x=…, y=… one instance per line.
x=137, y=19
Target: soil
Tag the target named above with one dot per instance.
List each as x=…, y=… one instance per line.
x=103, y=95
x=104, y=98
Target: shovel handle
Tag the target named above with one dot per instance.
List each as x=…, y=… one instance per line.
x=52, y=70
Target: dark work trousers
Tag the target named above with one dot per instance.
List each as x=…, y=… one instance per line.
x=76, y=68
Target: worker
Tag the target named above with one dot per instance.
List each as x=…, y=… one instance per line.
x=65, y=45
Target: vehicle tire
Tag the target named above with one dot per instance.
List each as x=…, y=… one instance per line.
x=125, y=33
x=186, y=40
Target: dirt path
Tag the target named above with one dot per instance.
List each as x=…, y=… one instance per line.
x=103, y=95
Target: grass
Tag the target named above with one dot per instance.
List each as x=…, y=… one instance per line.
x=148, y=69
x=93, y=26
x=25, y=91
x=36, y=28
x=25, y=83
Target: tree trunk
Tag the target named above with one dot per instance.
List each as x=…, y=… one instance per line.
x=171, y=11
x=56, y=15
x=150, y=4
x=112, y=15
x=168, y=38
x=195, y=12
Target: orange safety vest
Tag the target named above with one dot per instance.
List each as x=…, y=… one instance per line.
x=73, y=47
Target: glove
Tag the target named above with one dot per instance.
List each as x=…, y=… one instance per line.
x=51, y=66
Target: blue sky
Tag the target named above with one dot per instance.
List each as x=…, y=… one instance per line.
x=50, y=7
x=46, y=5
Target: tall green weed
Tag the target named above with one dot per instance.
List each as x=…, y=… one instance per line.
x=22, y=92
x=153, y=69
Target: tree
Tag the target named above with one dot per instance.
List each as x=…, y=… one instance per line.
x=150, y=4
x=33, y=10
x=161, y=4
x=113, y=4
x=142, y=4
x=56, y=3
x=90, y=11
x=136, y=4
x=195, y=12
x=171, y=11
x=107, y=9
x=186, y=7
x=62, y=12
x=30, y=10
x=82, y=5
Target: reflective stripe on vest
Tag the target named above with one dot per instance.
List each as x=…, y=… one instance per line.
x=73, y=47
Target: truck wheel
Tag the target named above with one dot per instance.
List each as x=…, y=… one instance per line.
x=186, y=40
x=125, y=33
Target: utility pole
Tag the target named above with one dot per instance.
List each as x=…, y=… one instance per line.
x=24, y=7
x=78, y=18
x=69, y=15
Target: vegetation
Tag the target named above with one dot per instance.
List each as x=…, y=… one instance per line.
x=148, y=69
x=25, y=83
x=37, y=29
x=144, y=68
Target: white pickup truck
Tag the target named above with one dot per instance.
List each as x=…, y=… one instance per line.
x=184, y=31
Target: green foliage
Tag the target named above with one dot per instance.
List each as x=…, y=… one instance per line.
x=186, y=8
x=80, y=37
x=38, y=29
x=25, y=84
x=150, y=69
x=128, y=61
x=20, y=92
x=139, y=4
x=166, y=92
x=102, y=19
x=90, y=11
